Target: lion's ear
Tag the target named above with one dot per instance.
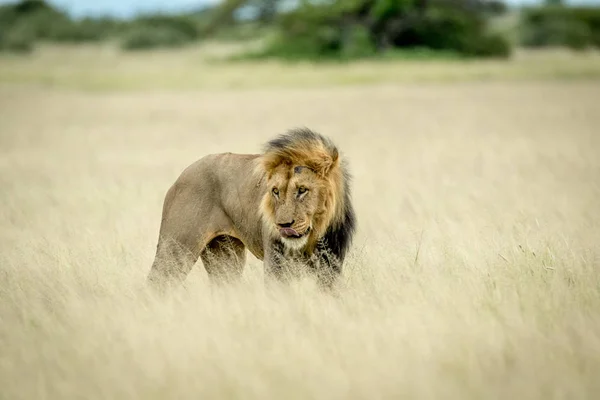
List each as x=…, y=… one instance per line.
x=328, y=163
x=335, y=156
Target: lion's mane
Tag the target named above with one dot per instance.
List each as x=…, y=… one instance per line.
x=335, y=221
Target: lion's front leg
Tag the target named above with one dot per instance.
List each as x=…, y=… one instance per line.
x=326, y=266
x=274, y=261
x=323, y=263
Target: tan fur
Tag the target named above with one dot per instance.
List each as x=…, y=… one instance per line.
x=231, y=195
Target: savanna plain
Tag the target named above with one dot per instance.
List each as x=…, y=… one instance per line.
x=474, y=273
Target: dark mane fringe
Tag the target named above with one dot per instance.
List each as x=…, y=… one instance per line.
x=301, y=146
x=338, y=237
x=293, y=137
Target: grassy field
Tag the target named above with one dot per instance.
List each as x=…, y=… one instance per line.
x=475, y=273
x=202, y=67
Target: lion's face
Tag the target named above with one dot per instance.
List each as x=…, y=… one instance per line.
x=294, y=200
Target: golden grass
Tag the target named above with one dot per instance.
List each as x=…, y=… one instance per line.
x=474, y=274
x=107, y=69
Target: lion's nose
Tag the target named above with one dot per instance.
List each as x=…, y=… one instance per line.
x=286, y=225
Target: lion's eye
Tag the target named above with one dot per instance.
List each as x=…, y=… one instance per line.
x=302, y=189
x=276, y=191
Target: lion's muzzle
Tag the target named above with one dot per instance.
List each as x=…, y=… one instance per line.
x=289, y=233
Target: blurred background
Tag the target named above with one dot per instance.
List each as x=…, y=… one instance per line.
x=325, y=31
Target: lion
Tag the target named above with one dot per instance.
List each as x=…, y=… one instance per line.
x=290, y=203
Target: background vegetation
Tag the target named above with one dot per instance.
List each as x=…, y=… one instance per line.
x=339, y=29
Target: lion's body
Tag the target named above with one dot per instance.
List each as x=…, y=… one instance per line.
x=222, y=205
x=216, y=196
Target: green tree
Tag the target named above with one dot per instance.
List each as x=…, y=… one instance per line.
x=335, y=29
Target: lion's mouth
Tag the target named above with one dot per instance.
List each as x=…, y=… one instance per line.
x=290, y=233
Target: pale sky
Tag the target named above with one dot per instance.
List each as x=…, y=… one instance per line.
x=126, y=8
x=123, y=8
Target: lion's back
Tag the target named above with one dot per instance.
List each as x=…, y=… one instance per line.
x=217, y=169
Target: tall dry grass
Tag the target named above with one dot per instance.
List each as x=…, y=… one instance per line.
x=474, y=273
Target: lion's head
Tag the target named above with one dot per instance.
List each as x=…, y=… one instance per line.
x=307, y=188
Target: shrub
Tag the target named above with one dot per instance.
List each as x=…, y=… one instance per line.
x=574, y=27
x=360, y=28
x=86, y=30
x=44, y=22
x=488, y=46
x=17, y=40
x=144, y=38
x=578, y=36
x=183, y=26
x=357, y=43
x=160, y=31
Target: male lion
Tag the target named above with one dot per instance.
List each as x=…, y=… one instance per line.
x=290, y=203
